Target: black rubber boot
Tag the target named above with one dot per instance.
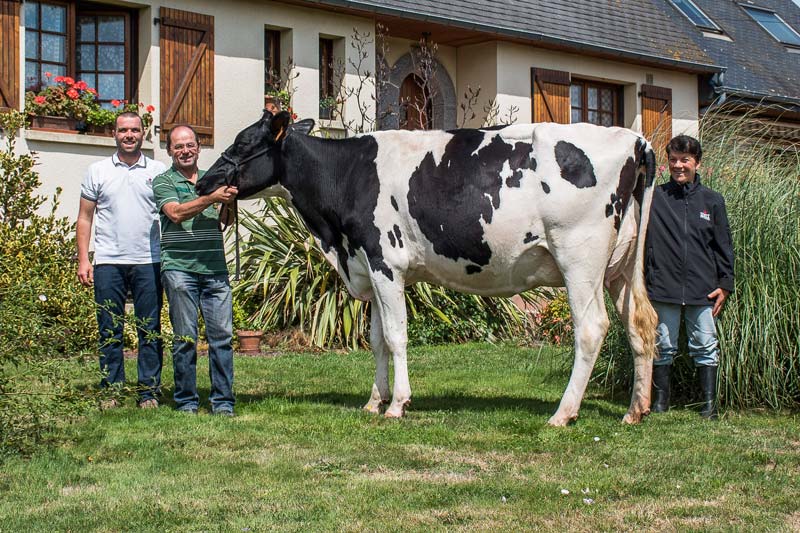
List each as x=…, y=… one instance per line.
x=708, y=386
x=661, y=389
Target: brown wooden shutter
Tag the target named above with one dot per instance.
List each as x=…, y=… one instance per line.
x=657, y=117
x=550, y=95
x=9, y=54
x=187, y=72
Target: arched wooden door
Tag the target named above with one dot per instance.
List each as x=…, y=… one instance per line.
x=415, y=104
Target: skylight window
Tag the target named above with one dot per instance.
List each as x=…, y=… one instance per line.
x=695, y=14
x=774, y=25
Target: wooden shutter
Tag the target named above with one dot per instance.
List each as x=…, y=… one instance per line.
x=550, y=95
x=187, y=72
x=657, y=117
x=9, y=54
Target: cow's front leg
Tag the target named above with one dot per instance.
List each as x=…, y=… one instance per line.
x=380, y=388
x=389, y=297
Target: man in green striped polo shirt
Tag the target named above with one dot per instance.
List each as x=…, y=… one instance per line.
x=195, y=275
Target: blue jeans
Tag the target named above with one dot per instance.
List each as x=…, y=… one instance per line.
x=186, y=291
x=701, y=331
x=111, y=286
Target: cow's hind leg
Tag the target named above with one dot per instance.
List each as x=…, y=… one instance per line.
x=640, y=323
x=391, y=301
x=590, y=321
x=380, y=388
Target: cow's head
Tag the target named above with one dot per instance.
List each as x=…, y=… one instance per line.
x=253, y=162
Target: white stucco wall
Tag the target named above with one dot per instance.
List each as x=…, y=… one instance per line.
x=501, y=70
x=238, y=74
x=514, y=62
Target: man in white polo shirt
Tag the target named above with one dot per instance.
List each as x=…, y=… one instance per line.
x=119, y=192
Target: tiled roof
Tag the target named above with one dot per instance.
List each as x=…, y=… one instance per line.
x=755, y=62
x=634, y=29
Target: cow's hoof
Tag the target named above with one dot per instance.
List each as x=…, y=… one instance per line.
x=375, y=406
x=633, y=418
x=397, y=410
x=561, y=421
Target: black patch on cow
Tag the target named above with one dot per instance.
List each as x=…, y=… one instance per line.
x=399, y=235
x=621, y=197
x=530, y=237
x=450, y=200
x=575, y=165
x=334, y=186
x=394, y=203
x=392, y=240
x=545, y=188
x=473, y=269
x=520, y=159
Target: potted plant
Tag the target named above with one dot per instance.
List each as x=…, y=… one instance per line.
x=60, y=106
x=247, y=332
x=100, y=121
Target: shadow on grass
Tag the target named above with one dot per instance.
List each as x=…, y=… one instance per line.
x=433, y=403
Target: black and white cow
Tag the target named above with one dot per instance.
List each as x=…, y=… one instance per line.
x=491, y=212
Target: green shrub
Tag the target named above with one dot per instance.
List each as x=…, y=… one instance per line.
x=47, y=323
x=759, y=329
x=287, y=282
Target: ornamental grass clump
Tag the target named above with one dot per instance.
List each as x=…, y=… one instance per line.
x=759, y=329
x=287, y=282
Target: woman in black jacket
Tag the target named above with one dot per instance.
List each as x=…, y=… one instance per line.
x=689, y=270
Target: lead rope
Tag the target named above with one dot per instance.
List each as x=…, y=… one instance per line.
x=236, y=230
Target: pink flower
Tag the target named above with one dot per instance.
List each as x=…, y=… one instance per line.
x=150, y=109
x=81, y=85
x=90, y=90
x=72, y=93
x=69, y=81
x=662, y=168
x=59, y=79
x=47, y=74
x=116, y=103
x=40, y=100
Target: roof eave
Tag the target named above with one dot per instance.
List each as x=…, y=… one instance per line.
x=677, y=64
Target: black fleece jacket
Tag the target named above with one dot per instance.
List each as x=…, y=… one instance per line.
x=689, y=250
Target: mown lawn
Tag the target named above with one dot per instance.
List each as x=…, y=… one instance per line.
x=473, y=454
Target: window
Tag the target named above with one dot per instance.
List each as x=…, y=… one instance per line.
x=272, y=60
x=327, y=90
x=693, y=13
x=95, y=48
x=596, y=103
x=774, y=25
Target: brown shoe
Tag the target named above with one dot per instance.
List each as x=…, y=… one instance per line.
x=150, y=403
x=111, y=403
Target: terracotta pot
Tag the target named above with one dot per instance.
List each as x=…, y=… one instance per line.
x=104, y=131
x=61, y=124
x=249, y=341
x=272, y=104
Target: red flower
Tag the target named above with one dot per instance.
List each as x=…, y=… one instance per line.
x=116, y=103
x=72, y=93
x=69, y=81
x=90, y=90
x=59, y=79
x=40, y=99
x=294, y=116
x=81, y=85
x=150, y=109
x=47, y=74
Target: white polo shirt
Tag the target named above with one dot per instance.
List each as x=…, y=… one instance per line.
x=126, y=219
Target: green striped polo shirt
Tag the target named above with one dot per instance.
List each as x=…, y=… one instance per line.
x=194, y=245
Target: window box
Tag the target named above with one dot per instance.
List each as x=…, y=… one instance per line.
x=106, y=130
x=56, y=124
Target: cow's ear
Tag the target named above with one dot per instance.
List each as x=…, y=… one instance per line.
x=304, y=126
x=280, y=122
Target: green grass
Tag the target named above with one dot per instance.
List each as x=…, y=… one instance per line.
x=473, y=454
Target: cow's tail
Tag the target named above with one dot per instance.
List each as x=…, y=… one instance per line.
x=645, y=320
